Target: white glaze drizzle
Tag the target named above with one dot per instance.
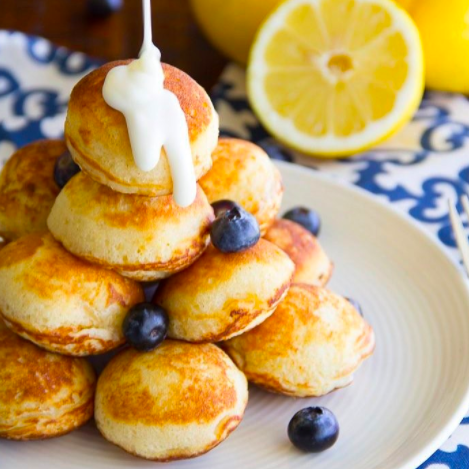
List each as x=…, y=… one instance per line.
x=153, y=115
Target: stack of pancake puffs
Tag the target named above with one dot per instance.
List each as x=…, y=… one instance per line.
x=74, y=262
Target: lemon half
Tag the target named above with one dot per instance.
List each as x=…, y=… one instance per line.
x=333, y=77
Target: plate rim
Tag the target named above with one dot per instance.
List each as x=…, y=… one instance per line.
x=417, y=457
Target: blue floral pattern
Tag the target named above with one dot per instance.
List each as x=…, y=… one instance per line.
x=417, y=170
x=36, y=78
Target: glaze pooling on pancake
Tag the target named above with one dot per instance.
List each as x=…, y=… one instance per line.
x=28, y=189
x=310, y=346
x=97, y=135
x=42, y=394
x=61, y=302
x=243, y=172
x=312, y=266
x=178, y=401
x=222, y=295
x=144, y=238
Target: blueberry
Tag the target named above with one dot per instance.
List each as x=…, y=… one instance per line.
x=305, y=217
x=274, y=151
x=222, y=206
x=235, y=230
x=65, y=168
x=149, y=289
x=145, y=326
x=313, y=429
x=103, y=8
x=356, y=305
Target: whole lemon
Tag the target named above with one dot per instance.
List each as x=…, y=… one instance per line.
x=230, y=25
x=406, y=4
x=444, y=29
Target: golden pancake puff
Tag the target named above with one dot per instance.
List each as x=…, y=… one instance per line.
x=42, y=394
x=223, y=295
x=144, y=238
x=312, y=265
x=178, y=401
x=61, y=302
x=97, y=136
x=311, y=345
x=243, y=172
x=28, y=189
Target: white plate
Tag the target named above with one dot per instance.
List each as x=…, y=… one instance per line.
x=406, y=399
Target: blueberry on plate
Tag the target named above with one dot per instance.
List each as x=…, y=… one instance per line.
x=145, y=326
x=235, y=230
x=222, y=206
x=103, y=8
x=305, y=217
x=65, y=168
x=313, y=429
x=356, y=305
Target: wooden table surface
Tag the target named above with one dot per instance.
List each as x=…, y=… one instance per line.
x=66, y=22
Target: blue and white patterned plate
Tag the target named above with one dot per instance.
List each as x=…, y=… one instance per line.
x=416, y=170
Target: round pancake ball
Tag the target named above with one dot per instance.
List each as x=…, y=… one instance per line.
x=312, y=265
x=178, y=401
x=98, y=140
x=243, y=172
x=28, y=188
x=42, y=394
x=311, y=345
x=143, y=238
x=223, y=295
x=60, y=302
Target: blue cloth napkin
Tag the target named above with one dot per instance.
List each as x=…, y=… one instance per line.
x=417, y=170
